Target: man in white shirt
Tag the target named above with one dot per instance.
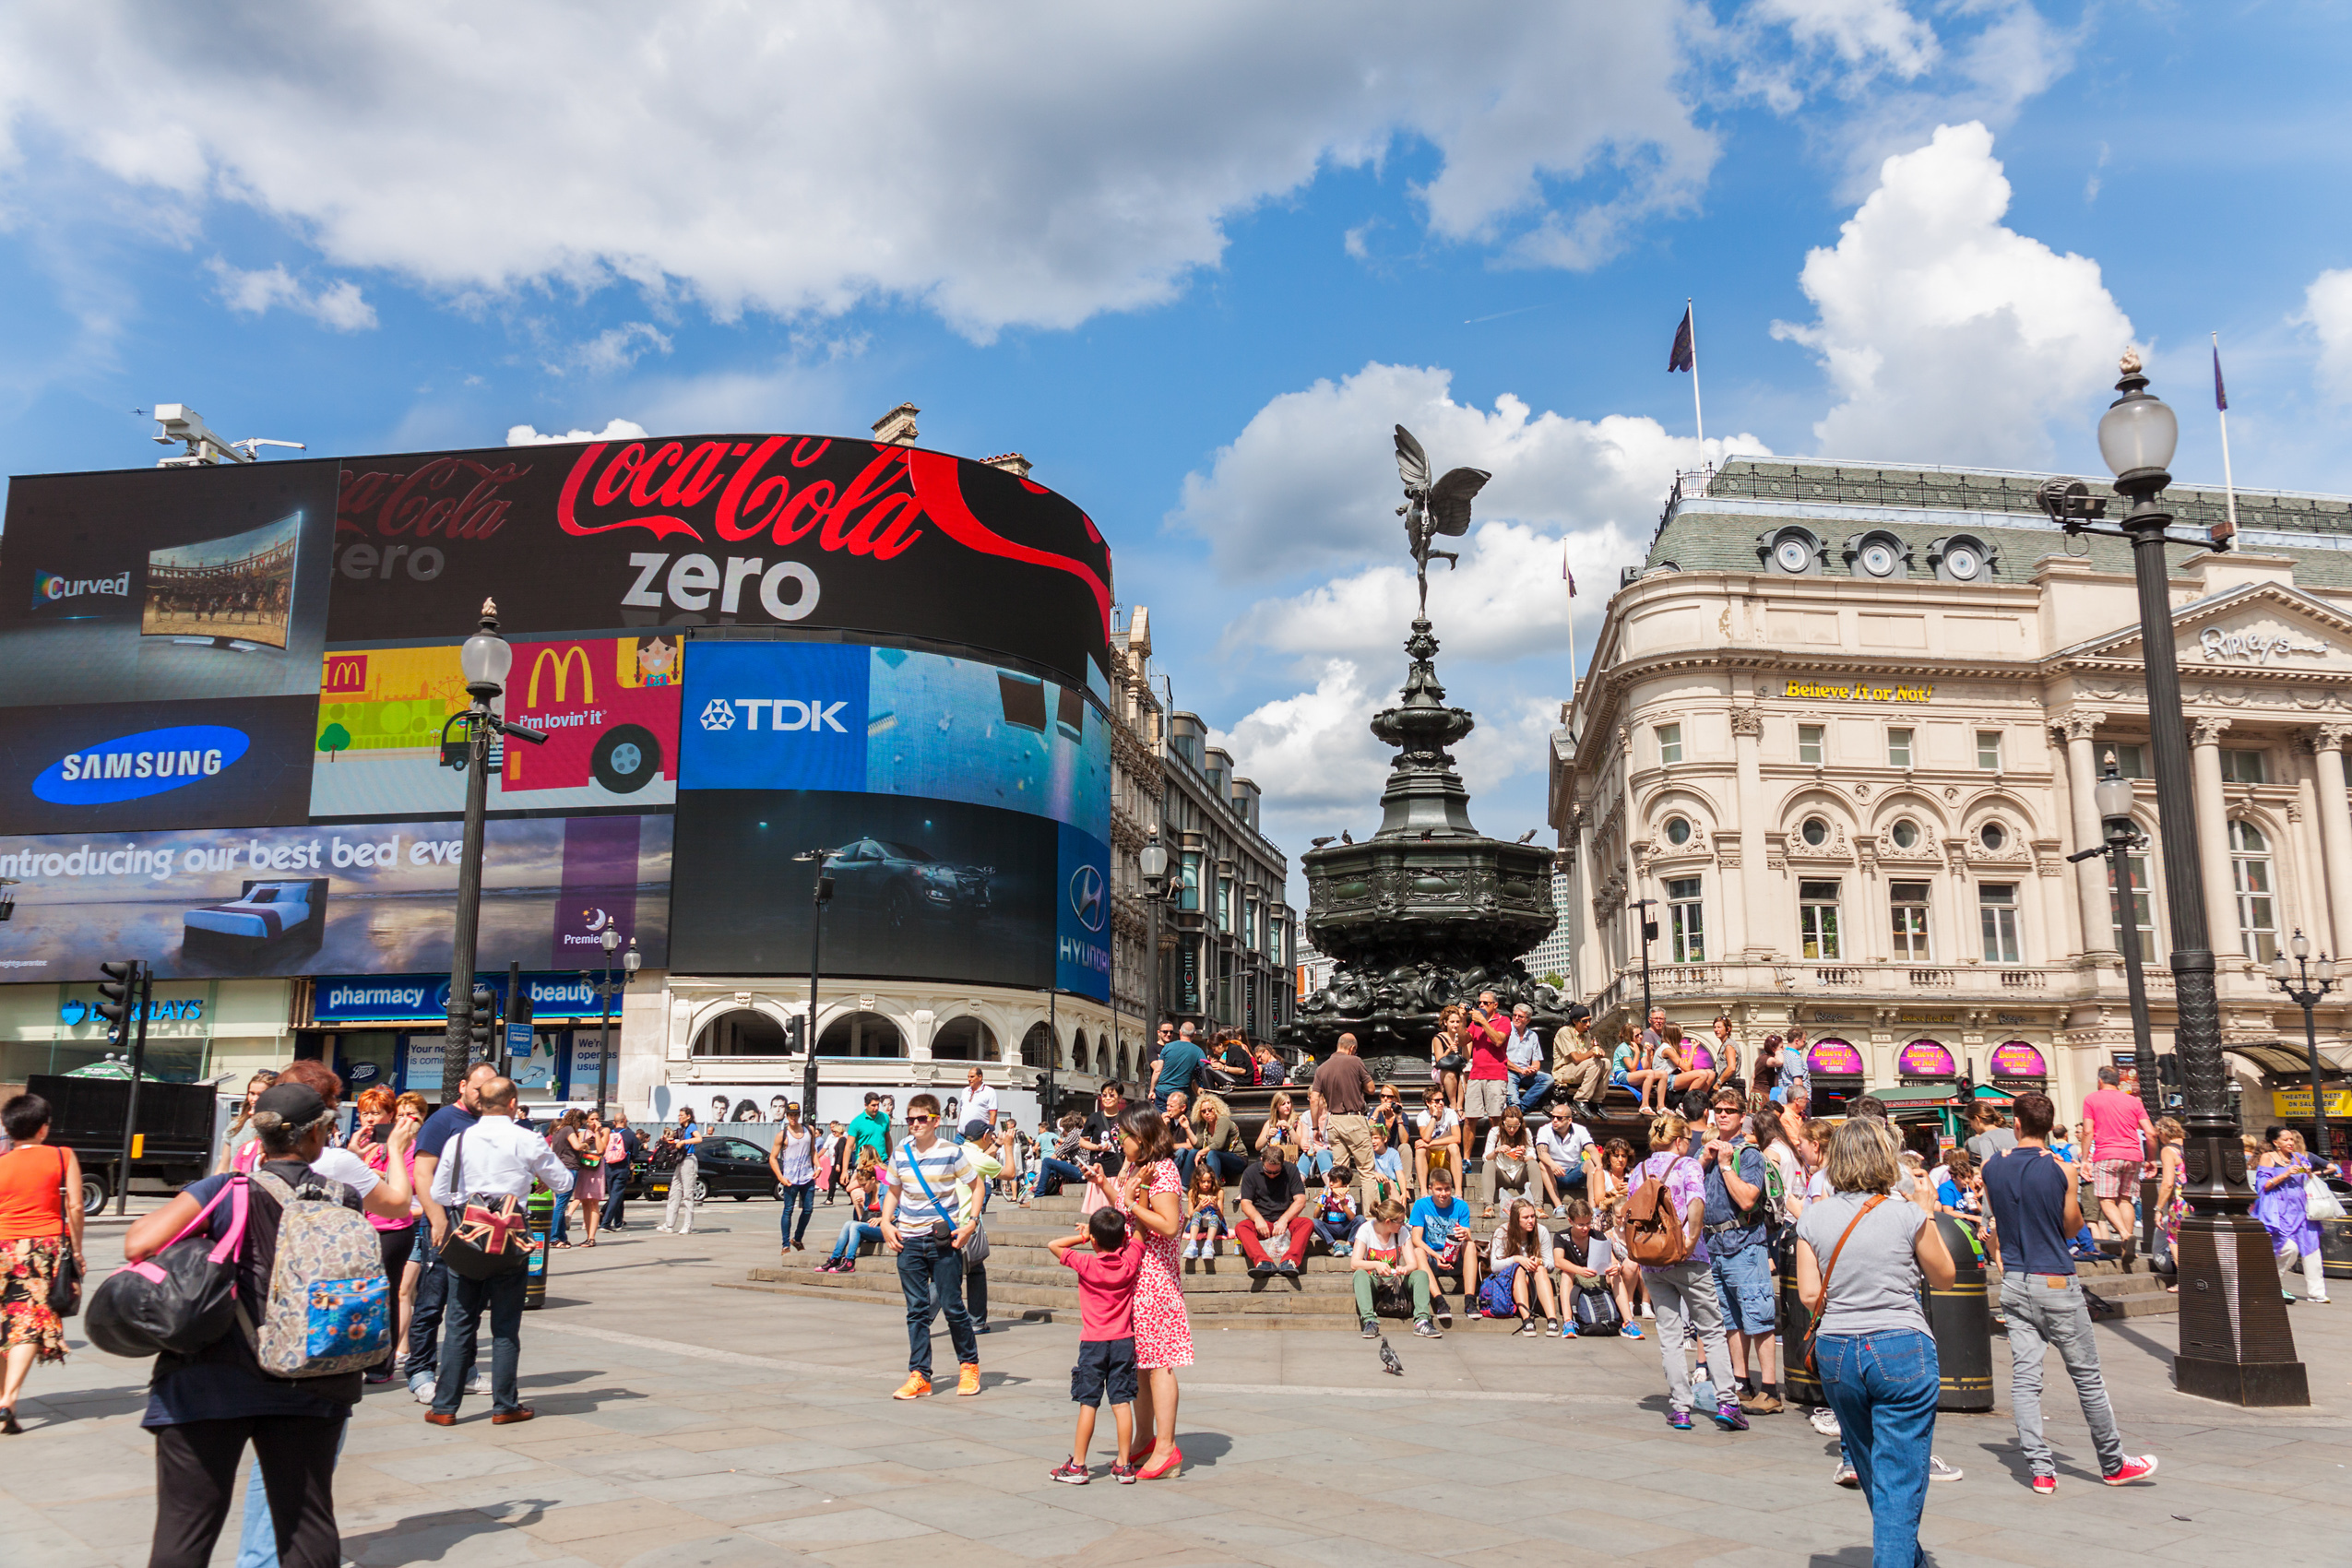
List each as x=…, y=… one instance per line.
x=1522, y=1052
x=925, y=1225
x=495, y=1159
x=979, y=1106
x=1563, y=1149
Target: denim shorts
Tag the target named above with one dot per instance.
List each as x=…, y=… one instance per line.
x=1743, y=1284
x=1106, y=1370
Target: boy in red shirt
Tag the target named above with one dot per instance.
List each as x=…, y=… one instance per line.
x=1106, y=1259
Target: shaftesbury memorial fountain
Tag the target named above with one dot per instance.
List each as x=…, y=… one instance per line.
x=1429, y=910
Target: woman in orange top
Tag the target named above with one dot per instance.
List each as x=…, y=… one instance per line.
x=40, y=1216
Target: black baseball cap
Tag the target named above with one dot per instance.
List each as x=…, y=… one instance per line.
x=297, y=1105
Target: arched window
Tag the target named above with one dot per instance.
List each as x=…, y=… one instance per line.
x=1123, y=1064
x=2249, y=870
x=964, y=1040
x=1037, y=1047
x=1086, y=1059
x=861, y=1034
x=741, y=1031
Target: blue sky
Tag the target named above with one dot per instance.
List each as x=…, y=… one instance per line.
x=1194, y=265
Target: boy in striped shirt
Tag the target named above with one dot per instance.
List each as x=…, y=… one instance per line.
x=924, y=1222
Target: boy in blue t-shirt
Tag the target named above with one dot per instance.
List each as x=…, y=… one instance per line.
x=1388, y=1166
x=1443, y=1221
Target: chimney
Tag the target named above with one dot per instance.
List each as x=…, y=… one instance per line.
x=1010, y=462
x=897, y=426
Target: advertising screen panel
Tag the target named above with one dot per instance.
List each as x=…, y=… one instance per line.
x=152, y=585
x=758, y=531
x=210, y=763
x=609, y=708
x=359, y=898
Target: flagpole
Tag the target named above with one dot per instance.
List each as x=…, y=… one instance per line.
x=2221, y=410
x=1690, y=308
x=1571, y=578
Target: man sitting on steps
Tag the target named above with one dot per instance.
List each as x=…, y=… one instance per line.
x=1274, y=1202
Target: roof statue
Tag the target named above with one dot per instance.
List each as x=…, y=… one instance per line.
x=1433, y=509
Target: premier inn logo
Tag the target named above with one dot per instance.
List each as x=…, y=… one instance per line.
x=49, y=588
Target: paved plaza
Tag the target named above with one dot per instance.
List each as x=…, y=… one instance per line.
x=686, y=1420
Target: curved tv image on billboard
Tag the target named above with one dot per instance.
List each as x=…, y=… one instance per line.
x=234, y=590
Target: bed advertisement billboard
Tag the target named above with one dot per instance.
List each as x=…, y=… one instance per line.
x=350, y=899
x=802, y=532
x=149, y=585
x=608, y=706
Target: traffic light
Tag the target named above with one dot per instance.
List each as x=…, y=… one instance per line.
x=484, y=1020
x=120, y=990
x=2168, y=1077
x=795, y=1034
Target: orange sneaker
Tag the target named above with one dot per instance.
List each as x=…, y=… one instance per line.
x=967, y=1382
x=915, y=1387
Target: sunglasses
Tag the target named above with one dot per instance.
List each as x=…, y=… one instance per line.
x=921, y=1119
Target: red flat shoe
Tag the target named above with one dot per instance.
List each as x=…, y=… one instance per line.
x=1174, y=1460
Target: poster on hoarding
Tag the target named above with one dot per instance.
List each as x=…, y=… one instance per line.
x=351, y=898
x=810, y=532
x=1925, y=1059
x=609, y=708
x=170, y=585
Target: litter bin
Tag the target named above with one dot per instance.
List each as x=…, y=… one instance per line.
x=542, y=1208
x=1961, y=1320
x=1797, y=1385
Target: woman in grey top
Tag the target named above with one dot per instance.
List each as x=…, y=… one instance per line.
x=1876, y=1356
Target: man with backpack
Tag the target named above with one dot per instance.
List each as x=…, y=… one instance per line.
x=491, y=1160
x=1665, y=1231
x=1739, y=1239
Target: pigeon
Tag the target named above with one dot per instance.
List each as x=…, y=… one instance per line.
x=1319, y=843
x=1346, y=837
x=1388, y=1361
x=1528, y=837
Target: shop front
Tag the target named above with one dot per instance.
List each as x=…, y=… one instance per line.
x=392, y=1030
x=1835, y=1068
x=196, y=1031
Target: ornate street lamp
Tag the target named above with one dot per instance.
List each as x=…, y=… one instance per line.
x=820, y=895
x=2235, y=1343
x=609, y=940
x=1152, y=861
x=2113, y=797
x=484, y=658
x=2305, y=984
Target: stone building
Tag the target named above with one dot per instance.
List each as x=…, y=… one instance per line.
x=1841, y=726
x=1234, y=936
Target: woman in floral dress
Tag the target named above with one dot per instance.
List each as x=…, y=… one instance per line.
x=1152, y=1197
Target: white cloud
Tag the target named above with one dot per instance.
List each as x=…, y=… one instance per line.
x=615, y=349
x=338, y=304
x=2327, y=305
x=1312, y=481
x=1948, y=337
x=614, y=429
x=1030, y=163
x=1861, y=32
x=1311, y=752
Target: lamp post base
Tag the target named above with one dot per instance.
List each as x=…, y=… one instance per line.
x=2234, y=1345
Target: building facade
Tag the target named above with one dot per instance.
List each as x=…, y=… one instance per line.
x=1841, y=728
x=1233, y=963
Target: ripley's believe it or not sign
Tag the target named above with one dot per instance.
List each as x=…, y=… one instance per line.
x=224, y=690
x=1817, y=690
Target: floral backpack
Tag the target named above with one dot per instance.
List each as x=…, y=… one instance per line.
x=329, y=1306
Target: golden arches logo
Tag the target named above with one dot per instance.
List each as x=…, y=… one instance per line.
x=561, y=659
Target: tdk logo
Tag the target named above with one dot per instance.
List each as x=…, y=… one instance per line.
x=785, y=713
x=49, y=588
x=148, y=763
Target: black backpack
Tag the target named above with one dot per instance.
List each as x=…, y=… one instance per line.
x=1593, y=1309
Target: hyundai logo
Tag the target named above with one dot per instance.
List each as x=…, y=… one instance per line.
x=1086, y=897
x=148, y=763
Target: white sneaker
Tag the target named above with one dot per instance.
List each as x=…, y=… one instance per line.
x=1847, y=1475
x=665, y=1230
x=1825, y=1420
x=1645, y=1311
x=423, y=1391
x=473, y=1381
x=1191, y=1250
x=1940, y=1471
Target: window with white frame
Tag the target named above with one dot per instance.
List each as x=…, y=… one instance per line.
x=1997, y=916
x=1670, y=744
x=1685, y=927
x=1817, y=918
x=1898, y=748
x=1988, y=750
x=1809, y=745
x=1908, y=902
x=2245, y=767
x=2138, y=915
x=1225, y=904
x=2250, y=869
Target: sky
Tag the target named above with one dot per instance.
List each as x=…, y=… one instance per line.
x=1195, y=262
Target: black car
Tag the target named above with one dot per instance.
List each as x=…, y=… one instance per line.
x=725, y=1168
x=900, y=886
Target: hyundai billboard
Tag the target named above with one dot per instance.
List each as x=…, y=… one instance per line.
x=807, y=532
x=357, y=898
x=608, y=706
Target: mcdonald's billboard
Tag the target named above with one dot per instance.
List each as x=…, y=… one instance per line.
x=609, y=708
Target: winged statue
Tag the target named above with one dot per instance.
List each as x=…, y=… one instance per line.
x=1433, y=509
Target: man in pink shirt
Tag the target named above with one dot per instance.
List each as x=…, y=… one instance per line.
x=1487, y=1088
x=2118, y=1122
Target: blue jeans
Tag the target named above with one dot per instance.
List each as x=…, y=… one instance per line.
x=1884, y=1388
x=1053, y=1172
x=616, y=1183
x=1743, y=1286
x=1316, y=1164
x=930, y=1274
x=804, y=1195
x=502, y=1297
x=562, y=1230
x=854, y=1234
x=424, y=1319
x=1531, y=1088
x=1339, y=1235
x=257, y=1540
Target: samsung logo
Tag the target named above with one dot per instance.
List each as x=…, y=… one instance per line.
x=48, y=587
x=148, y=763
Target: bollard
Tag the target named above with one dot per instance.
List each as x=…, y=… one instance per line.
x=542, y=1208
x=1961, y=1319
x=1797, y=1385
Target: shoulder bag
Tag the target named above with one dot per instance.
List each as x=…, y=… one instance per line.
x=2320, y=1201
x=1812, y=1325
x=65, y=1283
x=182, y=1298
x=492, y=1235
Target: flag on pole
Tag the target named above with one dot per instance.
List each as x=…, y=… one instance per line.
x=2220, y=393
x=1684, y=354
x=1565, y=572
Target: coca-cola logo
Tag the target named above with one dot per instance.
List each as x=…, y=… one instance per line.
x=446, y=498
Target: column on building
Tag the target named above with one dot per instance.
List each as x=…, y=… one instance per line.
x=1751, y=884
x=2090, y=876
x=2335, y=823
x=2213, y=836
x=1584, y=954
x=2311, y=856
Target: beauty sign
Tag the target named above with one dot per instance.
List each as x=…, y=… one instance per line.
x=1924, y=1059
x=2015, y=1059
x=1834, y=1057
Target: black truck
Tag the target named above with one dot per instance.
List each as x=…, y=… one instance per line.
x=86, y=1115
